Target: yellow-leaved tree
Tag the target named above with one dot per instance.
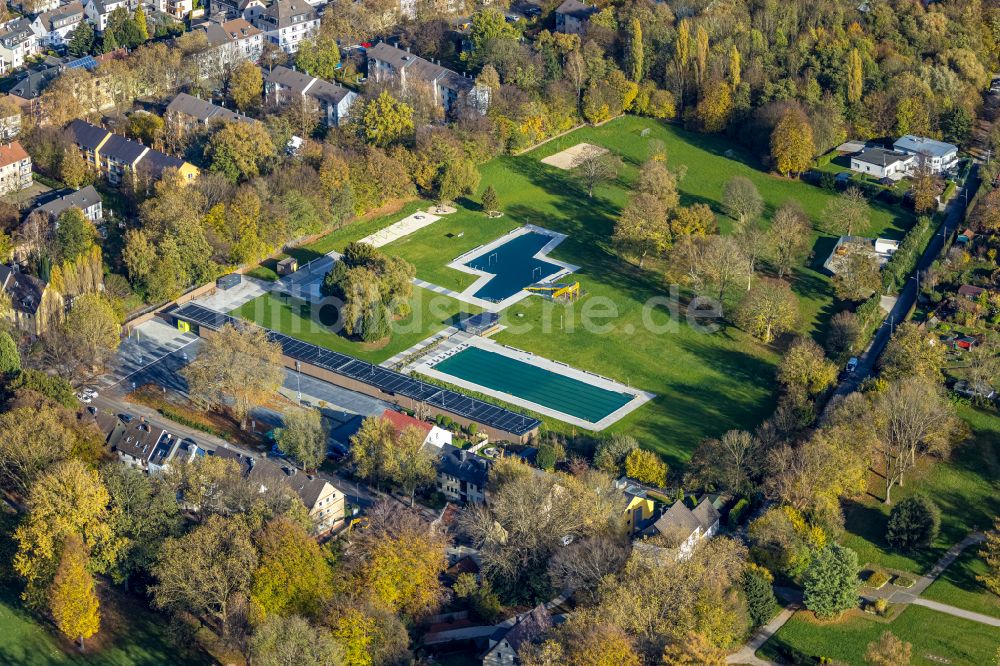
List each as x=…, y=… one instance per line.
x=72, y=599
x=792, y=144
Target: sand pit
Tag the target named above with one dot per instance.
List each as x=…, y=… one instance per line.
x=571, y=157
x=404, y=227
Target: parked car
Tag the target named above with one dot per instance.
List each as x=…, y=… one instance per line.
x=84, y=398
x=852, y=364
x=125, y=418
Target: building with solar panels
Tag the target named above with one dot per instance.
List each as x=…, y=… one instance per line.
x=499, y=423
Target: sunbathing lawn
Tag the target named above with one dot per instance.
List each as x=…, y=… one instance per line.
x=706, y=383
x=958, y=586
x=934, y=636
x=966, y=488
x=430, y=313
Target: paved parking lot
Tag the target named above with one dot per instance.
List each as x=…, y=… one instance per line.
x=149, y=344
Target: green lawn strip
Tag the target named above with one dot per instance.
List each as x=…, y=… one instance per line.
x=338, y=239
x=965, y=488
x=932, y=635
x=430, y=313
x=958, y=586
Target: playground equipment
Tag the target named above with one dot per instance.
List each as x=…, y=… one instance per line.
x=563, y=291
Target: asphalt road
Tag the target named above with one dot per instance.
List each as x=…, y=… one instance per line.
x=954, y=217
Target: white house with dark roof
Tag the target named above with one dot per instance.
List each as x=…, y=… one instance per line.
x=18, y=42
x=98, y=11
x=936, y=156
x=229, y=43
x=287, y=22
x=461, y=476
x=388, y=63
x=53, y=28
x=881, y=163
x=283, y=86
x=87, y=199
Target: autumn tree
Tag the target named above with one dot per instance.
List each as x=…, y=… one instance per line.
x=789, y=238
x=73, y=169
x=240, y=151
x=695, y=220
x=381, y=453
x=804, y=365
x=844, y=333
x=711, y=265
x=72, y=599
x=595, y=166
x=611, y=453
x=657, y=180
x=925, y=187
x=318, y=57
x=10, y=358
x=768, y=310
x=646, y=467
x=238, y=363
x=846, y=212
x=888, y=650
x=245, y=85
x=68, y=500
x=792, y=146
x=715, y=106
x=385, y=120
x=292, y=575
x=728, y=461
x=226, y=559
x=912, y=352
x=291, y=641
x=642, y=228
x=990, y=554
x=858, y=277
x=855, y=77
x=75, y=234
x=694, y=650
x=303, y=436
x=831, y=581
x=399, y=562
x=911, y=419
x=742, y=199
x=636, y=57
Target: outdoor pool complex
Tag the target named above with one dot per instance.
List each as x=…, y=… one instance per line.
x=534, y=384
x=513, y=266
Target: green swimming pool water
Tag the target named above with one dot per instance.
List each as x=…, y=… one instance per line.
x=529, y=382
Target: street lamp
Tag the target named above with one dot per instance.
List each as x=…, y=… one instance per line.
x=298, y=380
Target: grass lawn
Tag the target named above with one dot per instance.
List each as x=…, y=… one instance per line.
x=935, y=637
x=966, y=488
x=707, y=383
x=430, y=313
x=958, y=586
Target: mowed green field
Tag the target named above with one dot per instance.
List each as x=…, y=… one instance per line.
x=966, y=487
x=706, y=382
x=429, y=313
x=936, y=638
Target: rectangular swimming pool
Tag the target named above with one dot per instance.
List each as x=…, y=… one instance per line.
x=513, y=266
x=529, y=382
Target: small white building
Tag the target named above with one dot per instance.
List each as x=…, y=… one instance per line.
x=937, y=156
x=685, y=528
x=880, y=163
x=433, y=435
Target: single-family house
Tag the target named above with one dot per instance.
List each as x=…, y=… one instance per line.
x=99, y=11
x=970, y=291
x=18, y=42
x=135, y=443
x=113, y=156
x=572, y=17
x=53, y=28
x=935, y=156
x=433, y=435
x=35, y=306
x=229, y=43
x=191, y=113
x=15, y=168
x=287, y=22
x=684, y=528
x=510, y=636
x=639, y=506
x=881, y=163
x=87, y=199
x=388, y=63
x=325, y=503
x=283, y=86
x=461, y=476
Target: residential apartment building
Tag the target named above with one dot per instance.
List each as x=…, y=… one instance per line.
x=115, y=157
x=190, y=113
x=388, y=63
x=283, y=86
x=15, y=168
x=326, y=504
x=17, y=43
x=229, y=43
x=54, y=28
x=178, y=9
x=35, y=7
x=287, y=22
x=461, y=476
x=10, y=123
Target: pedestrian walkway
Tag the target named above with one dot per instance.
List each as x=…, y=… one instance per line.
x=748, y=653
x=909, y=595
x=958, y=612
